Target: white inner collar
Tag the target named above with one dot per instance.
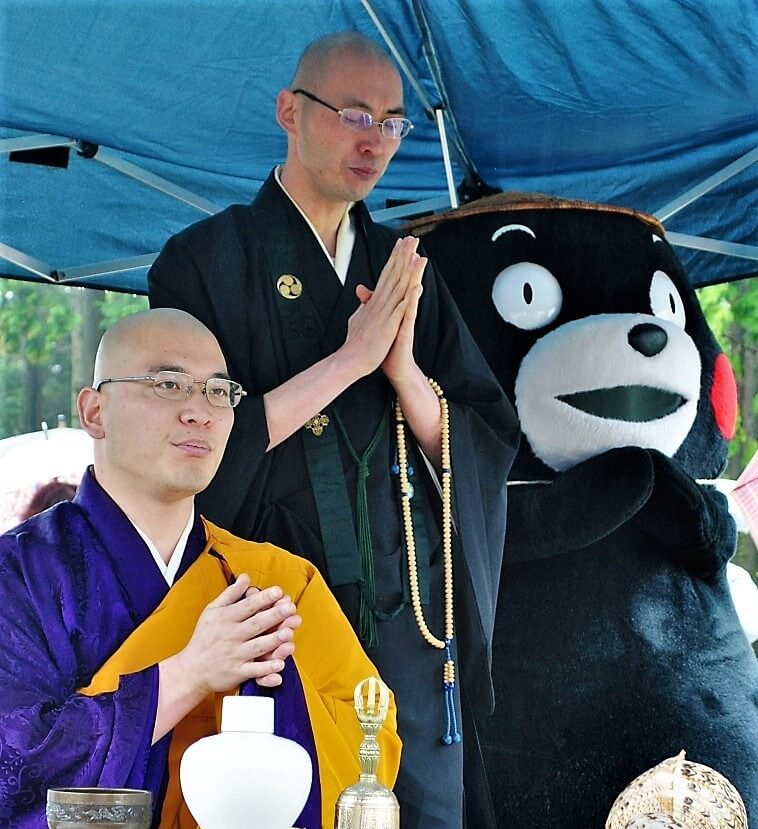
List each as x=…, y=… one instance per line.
x=345, y=234
x=169, y=571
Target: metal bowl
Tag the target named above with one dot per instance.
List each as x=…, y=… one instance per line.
x=99, y=809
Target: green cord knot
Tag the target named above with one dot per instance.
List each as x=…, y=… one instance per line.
x=367, y=630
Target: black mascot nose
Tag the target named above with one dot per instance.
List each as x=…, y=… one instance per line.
x=648, y=339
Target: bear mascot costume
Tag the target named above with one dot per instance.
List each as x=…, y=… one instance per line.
x=616, y=641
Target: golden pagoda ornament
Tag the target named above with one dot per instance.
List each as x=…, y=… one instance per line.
x=368, y=804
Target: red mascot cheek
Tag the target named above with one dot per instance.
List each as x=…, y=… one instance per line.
x=724, y=397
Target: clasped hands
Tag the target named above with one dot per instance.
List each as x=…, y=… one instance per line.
x=243, y=634
x=380, y=331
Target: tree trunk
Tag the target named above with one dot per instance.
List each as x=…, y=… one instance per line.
x=84, y=341
x=32, y=386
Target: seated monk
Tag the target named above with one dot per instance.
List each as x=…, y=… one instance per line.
x=124, y=616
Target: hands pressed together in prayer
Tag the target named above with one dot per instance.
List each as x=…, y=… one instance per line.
x=380, y=334
x=245, y=633
x=380, y=331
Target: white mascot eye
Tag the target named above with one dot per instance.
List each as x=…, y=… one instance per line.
x=527, y=295
x=665, y=301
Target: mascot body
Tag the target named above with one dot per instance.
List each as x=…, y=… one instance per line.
x=616, y=641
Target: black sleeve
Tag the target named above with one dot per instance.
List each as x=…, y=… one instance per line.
x=190, y=277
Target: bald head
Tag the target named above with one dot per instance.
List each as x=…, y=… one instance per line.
x=131, y=336
x=319, y=56
x=155, y=447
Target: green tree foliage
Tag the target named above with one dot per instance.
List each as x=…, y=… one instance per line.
x=732, y=313
x=37, y=322
x=114, y=306
x=35, y=355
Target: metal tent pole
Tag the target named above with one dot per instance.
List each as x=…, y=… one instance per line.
x=34, y=142
x=115, y=162
x=668, y=210
x=435, y=113
x=28, y=263
x=440, y=116
x=683, y=240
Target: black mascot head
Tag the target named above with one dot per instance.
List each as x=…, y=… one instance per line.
x=588, y=320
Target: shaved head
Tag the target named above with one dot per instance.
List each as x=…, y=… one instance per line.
x=329, y=164
x=151, y=449
x=318, y=57
x=127, y=338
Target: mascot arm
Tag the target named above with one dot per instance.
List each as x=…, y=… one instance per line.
x=689, y=519
x=581, y=506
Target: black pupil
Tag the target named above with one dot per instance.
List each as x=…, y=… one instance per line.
x=528, y=293
x=672, y=303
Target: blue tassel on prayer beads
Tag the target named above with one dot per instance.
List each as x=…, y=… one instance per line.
x=452, y=735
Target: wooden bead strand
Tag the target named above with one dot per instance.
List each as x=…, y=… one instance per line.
x=406, y=491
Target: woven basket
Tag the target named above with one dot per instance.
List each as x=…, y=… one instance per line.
x=678, y=794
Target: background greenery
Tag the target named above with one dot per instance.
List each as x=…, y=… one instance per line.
x=732, y=313
x=49, y=334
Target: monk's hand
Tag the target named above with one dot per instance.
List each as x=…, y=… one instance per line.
x=282, y=651
x=239, y=636
x=373, y=327
x=400, y=364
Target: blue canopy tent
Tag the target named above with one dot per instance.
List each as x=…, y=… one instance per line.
x=141, y=117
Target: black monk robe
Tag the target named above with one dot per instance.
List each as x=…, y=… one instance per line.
x=224, y=270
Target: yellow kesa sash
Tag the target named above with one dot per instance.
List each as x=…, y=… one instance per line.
x=328, y=657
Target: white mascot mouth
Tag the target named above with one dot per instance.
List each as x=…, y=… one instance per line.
x=590, y=386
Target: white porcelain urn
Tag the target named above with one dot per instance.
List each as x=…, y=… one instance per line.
x=245, y=777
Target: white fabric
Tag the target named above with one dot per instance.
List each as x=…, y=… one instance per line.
x=745, y=597
x=169, y=571
x=345, y=235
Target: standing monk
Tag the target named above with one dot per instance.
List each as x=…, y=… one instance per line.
x=320, y=314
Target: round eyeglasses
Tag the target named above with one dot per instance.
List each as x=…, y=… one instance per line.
x=358, y=119
x=176, y=385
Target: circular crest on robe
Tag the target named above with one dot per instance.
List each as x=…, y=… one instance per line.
x=289, y=286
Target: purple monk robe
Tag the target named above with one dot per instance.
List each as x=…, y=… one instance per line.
x=292, y=722
x=67, y=602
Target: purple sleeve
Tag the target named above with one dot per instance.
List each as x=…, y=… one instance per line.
x=49, y=734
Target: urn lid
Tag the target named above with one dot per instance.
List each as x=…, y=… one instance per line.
x=248, y=714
